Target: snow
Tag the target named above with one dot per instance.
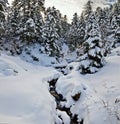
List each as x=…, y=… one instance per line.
x=106, y=85
x=92, y=52
x=115, y=52
x=85, y=63
x=91, y=39
x=64, y=116
x=34, y=51
x=99, y=92
x=31, y=22
x=25, y=97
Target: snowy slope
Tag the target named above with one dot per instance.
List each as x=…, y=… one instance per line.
x=25, y=97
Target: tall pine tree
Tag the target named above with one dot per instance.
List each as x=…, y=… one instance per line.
x=92, y=59
x=26, y=20
x=75, y=36
x=72, y=34
x=102, y=22
x=87, y=9
x=3, y=4
x=116, y=17
x=51, y=32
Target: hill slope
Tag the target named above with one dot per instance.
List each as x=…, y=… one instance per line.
x=25, y=96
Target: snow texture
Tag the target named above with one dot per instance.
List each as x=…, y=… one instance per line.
x=25, y=97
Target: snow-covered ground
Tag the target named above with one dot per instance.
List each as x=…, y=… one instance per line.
x=99, y=102
x=25, y=96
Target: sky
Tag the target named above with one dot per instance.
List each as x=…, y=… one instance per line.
x=69, y=7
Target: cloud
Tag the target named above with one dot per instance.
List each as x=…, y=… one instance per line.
x=69, y=7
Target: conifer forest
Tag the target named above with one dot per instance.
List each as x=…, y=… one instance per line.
x=57, y=70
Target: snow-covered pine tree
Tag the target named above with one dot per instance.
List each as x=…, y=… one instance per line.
x=102, y=22
x=81, y=29
x=87, y=9
x=92, y=59
x=80, y=35
x=58, y=18
x=65, y=26
x=3, y=4
x=37, y=9
x=30, y=19
x=13, y=19
x=29, y=30
x=76, y=33
x=114, y=28
x=72, y=34
x=51, y=32
x=116, y=21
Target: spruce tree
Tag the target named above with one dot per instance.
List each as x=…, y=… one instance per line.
x=81, y=29
x=51, y=32
x=13, y=19
x=27, y=15
x=92, y=59
x=72, y=34
x=65, y=26
x=3, y=4
x=102, y=22
x=77, y=32
x=116, y=17
x=87, y=9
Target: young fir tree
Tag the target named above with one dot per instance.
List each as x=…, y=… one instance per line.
x=51, y=32
x=92, y=59
x=3, y=4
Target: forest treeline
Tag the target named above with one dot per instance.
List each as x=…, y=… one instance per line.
x=91, y=34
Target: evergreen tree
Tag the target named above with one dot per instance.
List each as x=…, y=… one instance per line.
x=81, y=29
x=72, y=34
x=116, y=20
x=76, y=33
x=37, y=8
x=102, y=22
x=3, y=4
x=92, y=59
x=26, y=19
x=65, y=26
x=51, y=32
x=87, y=9
x=13, y=19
